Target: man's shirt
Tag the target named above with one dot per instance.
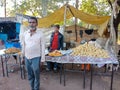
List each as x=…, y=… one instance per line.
x=55, y=42
x=34, y=46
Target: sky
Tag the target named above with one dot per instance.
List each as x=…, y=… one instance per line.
x=9, y=4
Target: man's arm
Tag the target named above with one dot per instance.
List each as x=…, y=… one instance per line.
x=51, y=38
x=23, y=49
x=42, y=48
x=62, y=40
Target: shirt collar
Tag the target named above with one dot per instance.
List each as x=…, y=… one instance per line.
x=34, y=32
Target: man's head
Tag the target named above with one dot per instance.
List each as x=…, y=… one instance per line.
x=33, y=23
x=56, y=28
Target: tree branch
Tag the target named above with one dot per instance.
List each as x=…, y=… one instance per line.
x=118, y=2
x=110, y=4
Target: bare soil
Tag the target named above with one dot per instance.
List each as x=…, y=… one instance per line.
x=50, y=81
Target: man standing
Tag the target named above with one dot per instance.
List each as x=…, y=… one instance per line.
x=33, y=48
x=56, y=43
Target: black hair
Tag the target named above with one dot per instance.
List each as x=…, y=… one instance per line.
x=34, y=19
x=57, y=26
x=52, y=25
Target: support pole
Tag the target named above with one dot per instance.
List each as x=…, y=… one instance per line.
x=65, y=12
x=76, y=20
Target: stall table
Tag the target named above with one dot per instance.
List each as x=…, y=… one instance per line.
x=4, y=60
x=66, y=59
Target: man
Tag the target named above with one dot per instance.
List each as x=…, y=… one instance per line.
x=33, y=48
x=56, y=43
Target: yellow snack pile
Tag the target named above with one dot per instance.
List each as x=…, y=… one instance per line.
x=89, y=50
x=12, y=50
x=55, y=53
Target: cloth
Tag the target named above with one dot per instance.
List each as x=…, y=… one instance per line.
x=83, y=59
x=55, y=42
x=33, y=69
x=89, y=31
x=101, y=41
x=87, y=67
x=34, y=46
x=83, y=41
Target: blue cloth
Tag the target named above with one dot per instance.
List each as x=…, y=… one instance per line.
x=33, y=69
x=4, y=37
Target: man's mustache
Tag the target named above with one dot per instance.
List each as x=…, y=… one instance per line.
x=32, y=27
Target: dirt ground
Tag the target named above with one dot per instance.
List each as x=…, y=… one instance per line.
x=50, y=81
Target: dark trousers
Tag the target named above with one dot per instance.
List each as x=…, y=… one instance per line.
x=51, y=65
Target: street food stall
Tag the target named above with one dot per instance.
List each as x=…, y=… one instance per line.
x=87, y=53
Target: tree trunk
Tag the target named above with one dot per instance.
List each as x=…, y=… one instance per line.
x=116, y=23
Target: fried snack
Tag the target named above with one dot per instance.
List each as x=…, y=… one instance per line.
x=19, y=53
x=12, y=50
x=89, y=50
x=55, y=53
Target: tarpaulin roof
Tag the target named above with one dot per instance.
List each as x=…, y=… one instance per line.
x=58, y=16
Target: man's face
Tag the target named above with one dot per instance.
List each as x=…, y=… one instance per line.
x=55, y=29
x=32, y=24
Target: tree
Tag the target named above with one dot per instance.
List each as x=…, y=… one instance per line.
x=32, y=7
x=3, y=4
x=35, y=7
x=115, y=5
x=95, y=7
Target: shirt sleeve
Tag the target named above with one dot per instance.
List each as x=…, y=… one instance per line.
x=62, y=40
x=42, y=39
x=23, y=45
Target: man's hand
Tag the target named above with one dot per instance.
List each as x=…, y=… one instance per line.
x=23, y=61
x=41, y=64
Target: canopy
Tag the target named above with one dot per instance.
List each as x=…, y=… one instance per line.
x=58, y=16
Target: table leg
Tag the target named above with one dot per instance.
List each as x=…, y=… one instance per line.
x=64, y=75
x=112, y=75
x=24, y=72
x=91, y=77
x=20, y=68
x=17, y=59
x=72, y=65
x=61, y=73
x=84, y=73
x=2, y=67
x=105, y=68
x=6, y=65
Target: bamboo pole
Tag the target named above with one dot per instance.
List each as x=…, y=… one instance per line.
x=65, y=12
x=113, y=35
x=76, y=20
